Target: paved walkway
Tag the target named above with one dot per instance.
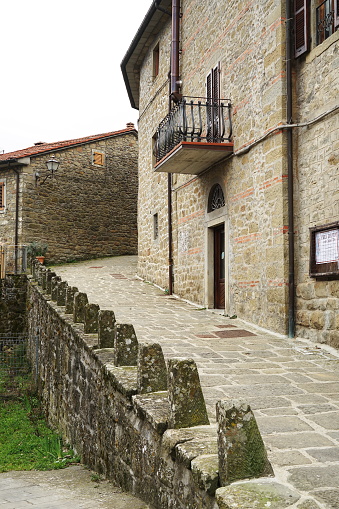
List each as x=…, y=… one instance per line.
x=71, y=488
x=292, y=385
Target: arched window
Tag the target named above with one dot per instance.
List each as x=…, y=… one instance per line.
x=216, y=199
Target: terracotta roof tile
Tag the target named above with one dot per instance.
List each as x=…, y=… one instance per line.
x=49, y=147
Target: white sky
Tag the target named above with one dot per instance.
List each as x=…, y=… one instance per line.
x=60, y=74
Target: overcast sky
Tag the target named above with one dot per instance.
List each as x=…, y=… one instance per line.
x=60, y=74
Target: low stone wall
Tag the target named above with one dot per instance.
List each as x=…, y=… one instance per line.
x=143, y=424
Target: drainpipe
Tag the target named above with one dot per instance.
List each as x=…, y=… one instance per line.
x=169, y=209
x=175, y=50
x=289, y=110
x=16, y=235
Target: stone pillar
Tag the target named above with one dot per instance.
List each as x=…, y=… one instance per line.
x=49, y=276
x=187, y=404
x=152, y=371
x=44, y=278
x=125, y=345
x=80, y=301
x=61, y=296
x=39, y=270
x=241, y=450
x=69, y=304
x=54, y=287
x=91, y=318
x=106, y=323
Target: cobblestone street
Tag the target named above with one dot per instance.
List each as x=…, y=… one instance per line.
x=292, y=385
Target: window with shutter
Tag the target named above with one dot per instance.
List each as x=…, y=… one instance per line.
x=301, y=27
x=2, y=195
x=213, y=104
x=98, y=158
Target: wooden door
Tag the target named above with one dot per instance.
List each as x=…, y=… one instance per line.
x=219, y=267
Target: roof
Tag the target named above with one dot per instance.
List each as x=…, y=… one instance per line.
x=58, y=145
x=153, y=22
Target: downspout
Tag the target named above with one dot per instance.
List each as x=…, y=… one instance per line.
x=289, y=110
x=175, y=50
x=173, y=95
x=169, y=219
x=16, y=234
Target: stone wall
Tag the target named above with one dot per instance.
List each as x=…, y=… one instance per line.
x=129, y=416
x=254, y=183
x=317, y=184
x=13, y=290
x=86, y=210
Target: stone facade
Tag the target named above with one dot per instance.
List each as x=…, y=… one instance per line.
x=252, y=60
x=317, y=185
x=254, y=184
x=87, y=210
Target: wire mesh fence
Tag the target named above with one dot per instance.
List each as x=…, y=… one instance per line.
x=13, y=354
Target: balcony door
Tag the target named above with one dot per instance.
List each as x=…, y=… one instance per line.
x=219, y=267
x=213, y=105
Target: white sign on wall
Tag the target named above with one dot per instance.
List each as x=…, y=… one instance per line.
x=327, y=246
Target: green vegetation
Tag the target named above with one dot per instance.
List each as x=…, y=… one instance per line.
x=26, y=442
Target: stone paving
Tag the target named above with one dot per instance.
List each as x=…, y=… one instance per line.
x=292, y=385
x=74, y=487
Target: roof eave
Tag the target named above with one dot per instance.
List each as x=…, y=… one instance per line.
x=139, y=47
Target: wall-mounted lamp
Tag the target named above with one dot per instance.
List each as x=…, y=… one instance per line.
x=52, y=166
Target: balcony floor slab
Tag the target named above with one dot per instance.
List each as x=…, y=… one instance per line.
x=193, y=157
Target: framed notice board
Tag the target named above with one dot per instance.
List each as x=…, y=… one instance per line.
x=324, y=251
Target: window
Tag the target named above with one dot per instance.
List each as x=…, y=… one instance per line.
x=155, y=226
x=98, y=158
x=2, y=196
x=325, y=20
x=216, y=198
x=156, y=60
x=213, y=105
x=324, y=251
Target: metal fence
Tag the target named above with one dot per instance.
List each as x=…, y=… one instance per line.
x=13, y=259
x=13, y=354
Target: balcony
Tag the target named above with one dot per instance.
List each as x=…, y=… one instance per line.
x=195, y=135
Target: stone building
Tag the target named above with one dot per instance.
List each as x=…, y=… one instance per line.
x=238, y=157
x=87, y=208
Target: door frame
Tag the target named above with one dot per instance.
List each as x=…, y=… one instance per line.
x=213, y=219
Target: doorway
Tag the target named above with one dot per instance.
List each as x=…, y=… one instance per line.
x=219, y=267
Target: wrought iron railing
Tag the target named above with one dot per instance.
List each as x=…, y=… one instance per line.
x=194, y=119
x=325, y=20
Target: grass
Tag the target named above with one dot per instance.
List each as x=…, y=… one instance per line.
x=26, y=442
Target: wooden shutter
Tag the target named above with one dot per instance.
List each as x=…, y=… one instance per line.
x=301, y=27
x=98, y=158
x=2, y=201
x=336, y=13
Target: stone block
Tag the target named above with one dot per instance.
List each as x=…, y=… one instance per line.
x=69, y=304
x=54, y=287
x=317, y=320
x=241, y=450
x=80, y=301
x=106, y=323
x=61, y=295
x=187, y=404
x=91, y=318
x=50, y=274
x=125, y=345
x=205, y=472
x=44, y=278
x=152, y=371
x=256, y=494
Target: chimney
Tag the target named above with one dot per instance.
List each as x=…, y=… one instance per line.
x=130, y=125
x=40, y=143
